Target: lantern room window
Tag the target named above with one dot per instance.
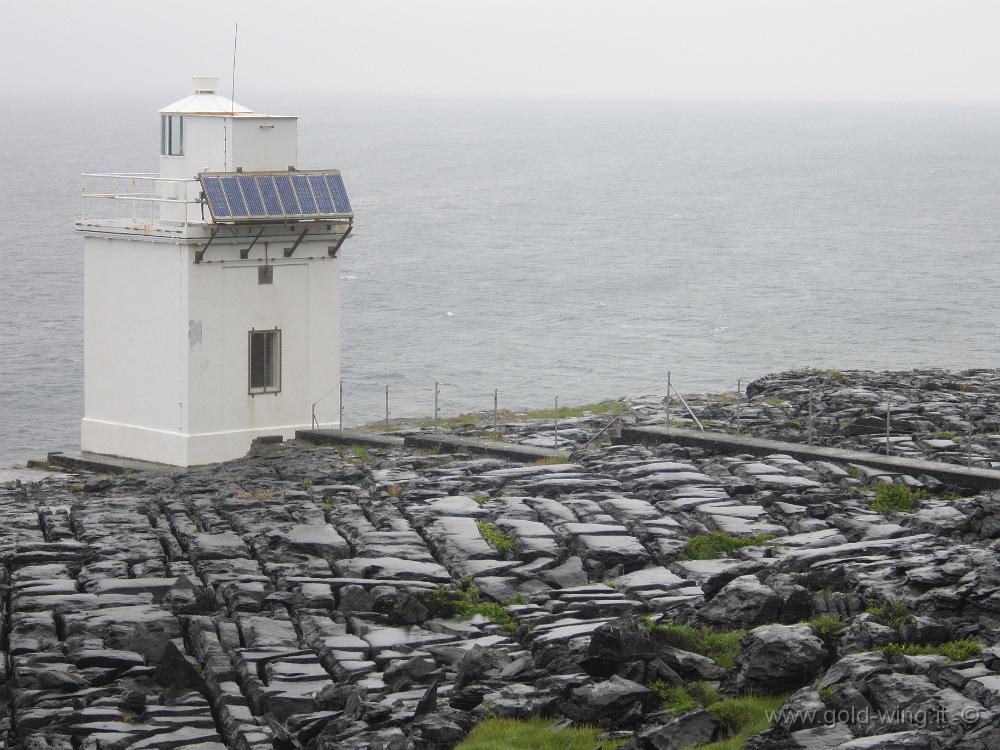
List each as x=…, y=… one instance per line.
x=172, y=135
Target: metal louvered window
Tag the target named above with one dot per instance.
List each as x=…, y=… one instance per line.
x=265, y=361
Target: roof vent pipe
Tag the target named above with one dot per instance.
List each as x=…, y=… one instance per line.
x=205, y=84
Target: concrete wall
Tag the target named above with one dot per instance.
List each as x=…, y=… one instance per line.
x=134, y=374
x=263, y=143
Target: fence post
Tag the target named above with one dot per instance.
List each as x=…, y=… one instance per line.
x=496, y=411
x=810, y=430
x=668, y=398
x=555, y=424
x=739, y=401
x=341, y=399
x=968, y=438
x=387, y=410
x=888, y=424
x=436, y=391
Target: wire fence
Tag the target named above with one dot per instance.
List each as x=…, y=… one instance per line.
x=333, y=409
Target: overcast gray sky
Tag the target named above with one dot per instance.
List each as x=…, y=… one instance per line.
x=705, y=49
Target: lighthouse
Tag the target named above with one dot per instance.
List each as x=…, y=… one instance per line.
x=211, y=289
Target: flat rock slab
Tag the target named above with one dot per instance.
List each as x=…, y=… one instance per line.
x=225, y=546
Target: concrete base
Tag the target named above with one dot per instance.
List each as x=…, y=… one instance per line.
x=172, y=448
x=721, y=443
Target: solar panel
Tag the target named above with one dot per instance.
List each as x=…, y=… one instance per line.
x=323, y=200
x=216, y=198
x=233, y=196
x=304, y=193
x=270, y=194
x=340, y=201
x=255, y=205
x=288, y=199
x=243, y=197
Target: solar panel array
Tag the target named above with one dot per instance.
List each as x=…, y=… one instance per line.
x=275, y=196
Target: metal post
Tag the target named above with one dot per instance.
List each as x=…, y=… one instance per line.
x=314, y=424
x=668, y=398
x=888, y=426
x=968, y=435
x=739, y=401
x=810, y=430
x=387, y=409
x=555, y=424
x=436, y=391
x=496, y=411
x=341, y=400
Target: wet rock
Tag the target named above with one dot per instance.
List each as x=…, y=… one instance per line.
x=616, y=701
x=744, y=602
x=773, y=658
x=687, y=730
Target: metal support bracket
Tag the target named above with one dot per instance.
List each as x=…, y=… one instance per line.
x=245, y=252
x=199, y=255
x=289, y=251
x=332, y=250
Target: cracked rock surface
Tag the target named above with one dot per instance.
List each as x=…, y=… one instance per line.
x=293, y=599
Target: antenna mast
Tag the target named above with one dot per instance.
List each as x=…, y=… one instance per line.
x=232, y=90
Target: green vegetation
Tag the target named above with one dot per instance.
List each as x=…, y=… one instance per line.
x=721, y=646
x=532, y=734
x=709, y=546
x=772, y=400
x=562, y=458
x=895, y=497
x=679, y=699
x=828, y=691
x=740, y=717
x=464, y=601
x=262, y=494
x=854, y=472
x=569, y=412
x=744, y=717
x=826, y=625
x=895, y=614
x=946, y=435
x=963, y=650
x=361, y=453
x=501, y=542
x=794, y=423
x=326, y=506
x=480, y=498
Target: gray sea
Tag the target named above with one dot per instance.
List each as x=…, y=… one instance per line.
x=577, y=250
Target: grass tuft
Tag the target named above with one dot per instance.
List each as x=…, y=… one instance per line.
x=710, y=546
x=464, y=601
x=562, y=458
x=963, y=650
x=501, y=542
x=361, y=453
x=826, y=625
x=533, y=734
x=895, y=614
x=721, y=646
x=895, y=497
x=740, y=717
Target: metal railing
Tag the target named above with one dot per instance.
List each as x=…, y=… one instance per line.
x=144, y=200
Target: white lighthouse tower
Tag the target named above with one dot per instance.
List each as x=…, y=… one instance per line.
x=211, y=289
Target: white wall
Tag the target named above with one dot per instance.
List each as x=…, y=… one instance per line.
x=134, y=372
x=263, y=143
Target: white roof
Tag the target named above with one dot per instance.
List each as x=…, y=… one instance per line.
x=205, y=103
